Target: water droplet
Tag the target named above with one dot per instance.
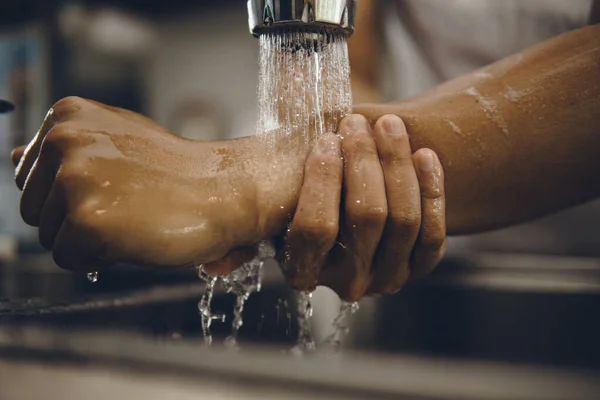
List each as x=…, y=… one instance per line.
x=92, y=276
x=306, y=342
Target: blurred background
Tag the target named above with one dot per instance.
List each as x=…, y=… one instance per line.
x=529, y=294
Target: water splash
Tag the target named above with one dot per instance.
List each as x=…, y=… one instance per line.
x=306, y=343
x=341, y=325
x=242, y=282
x=204, y=306
x=92, y=277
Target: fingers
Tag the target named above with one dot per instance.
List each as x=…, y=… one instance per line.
x=16, y=155
x=76, y=247
x=59, y=112
x=40, y=179
x=52, y=216
x=230, y=262
x=365, y=209
x=391, y=268
x=431, y=244
x=314, y=229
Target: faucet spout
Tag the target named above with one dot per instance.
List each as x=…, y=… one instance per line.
x=301, y=15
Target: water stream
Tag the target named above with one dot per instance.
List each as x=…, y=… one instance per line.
x=303, y=92
x=303, y=85
x=341, y=325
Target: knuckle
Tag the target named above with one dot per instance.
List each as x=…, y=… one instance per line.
x=58, y=138
x=319, y=231
x=401, y=218
x=68, y=106
x=432, y=241
x=367, y=216
x=68, y=176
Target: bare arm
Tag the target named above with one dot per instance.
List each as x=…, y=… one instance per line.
x=518, y=139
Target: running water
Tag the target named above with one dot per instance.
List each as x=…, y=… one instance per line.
x=341, y=325
x=303, y=91
x=303, y=85
x=204, y=306
x=306, y=343
x=242, y=282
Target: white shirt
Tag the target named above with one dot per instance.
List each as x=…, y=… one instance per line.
x=430, y=41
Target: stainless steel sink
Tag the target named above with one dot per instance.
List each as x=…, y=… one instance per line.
x=492, y=325
x=72, y=365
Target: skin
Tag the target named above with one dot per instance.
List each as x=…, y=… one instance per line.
x=516, y=141
x=381, y=237
x=104, y=184
x=94, y=196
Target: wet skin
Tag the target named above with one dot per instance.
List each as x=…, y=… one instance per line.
x=516, y=140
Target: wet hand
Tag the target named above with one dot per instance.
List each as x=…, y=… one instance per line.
x=370, y=223
x=105, y=184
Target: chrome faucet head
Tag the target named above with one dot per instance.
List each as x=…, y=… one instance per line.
x=303, y=15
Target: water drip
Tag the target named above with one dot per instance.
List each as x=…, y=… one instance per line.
x=204, y=306
x=92, y=277
x=306, y=343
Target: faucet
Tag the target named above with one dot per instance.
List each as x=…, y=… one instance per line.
x=313, y=16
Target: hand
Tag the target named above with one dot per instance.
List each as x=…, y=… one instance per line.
x=392, y=223
x=105, y=184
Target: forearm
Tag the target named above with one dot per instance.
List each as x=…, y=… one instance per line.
x=518, y=139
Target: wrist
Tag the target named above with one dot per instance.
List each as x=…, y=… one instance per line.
x=279, y=172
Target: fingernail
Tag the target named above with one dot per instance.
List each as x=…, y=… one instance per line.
x=355, y=122
x=391, y=125
x=328, y=144
x=427, y=160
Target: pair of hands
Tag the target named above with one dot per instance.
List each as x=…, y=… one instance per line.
x=105, y=185
x=370, y=215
